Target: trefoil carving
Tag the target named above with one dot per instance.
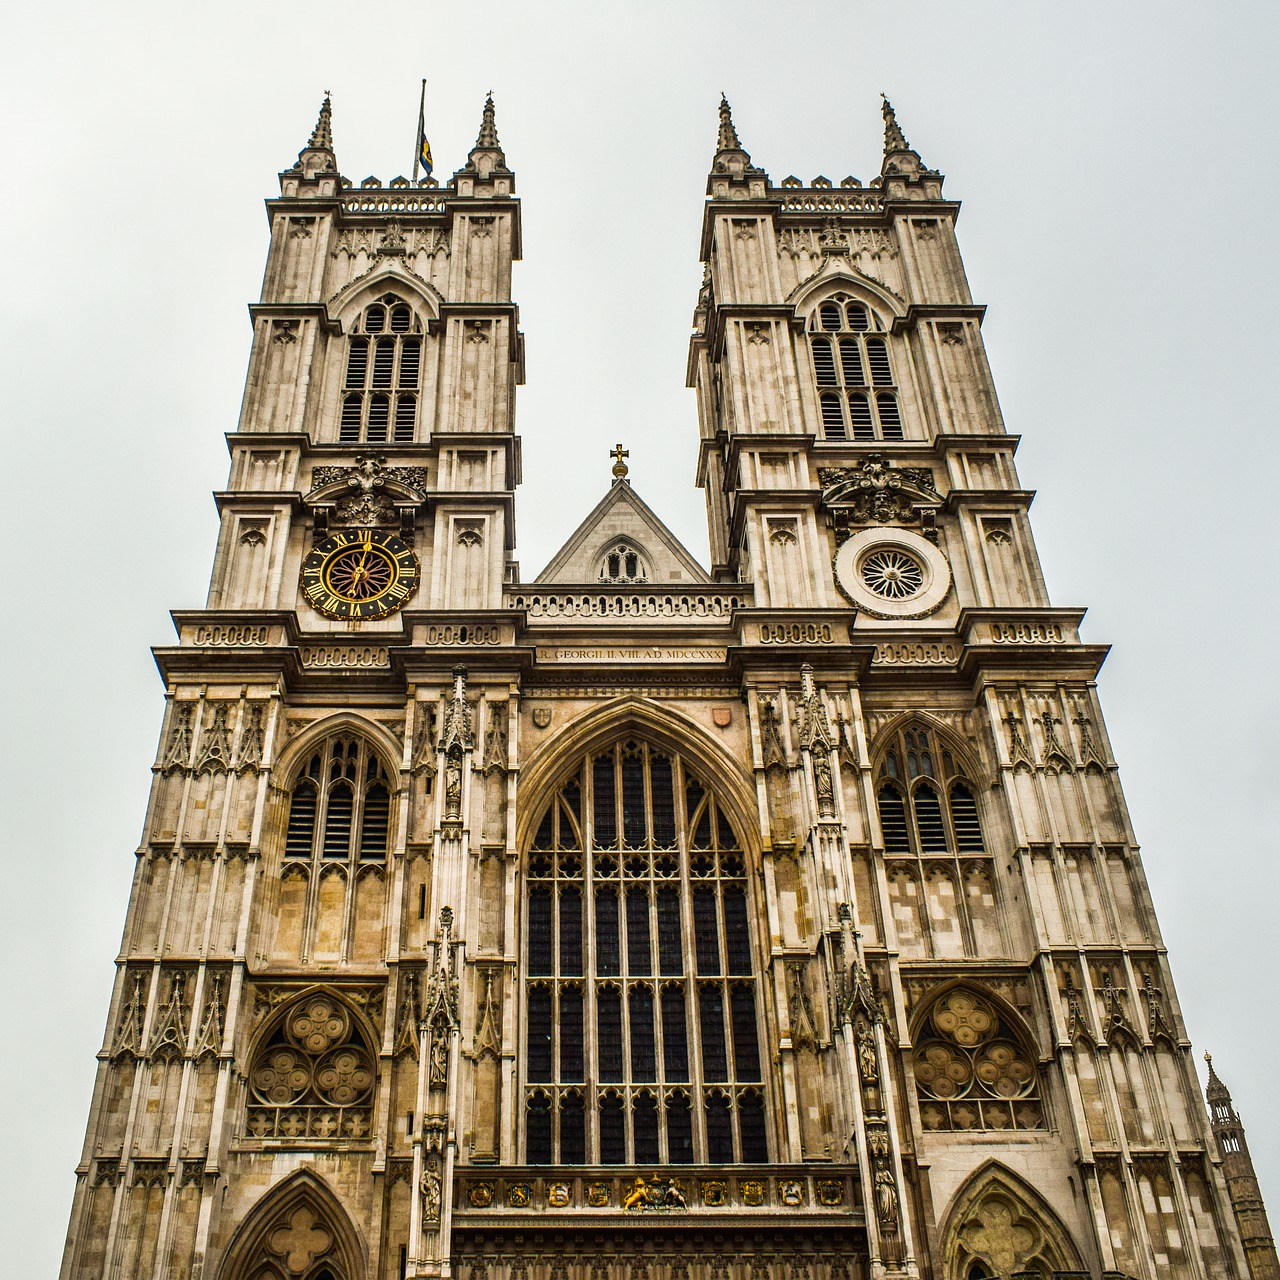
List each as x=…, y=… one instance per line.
x=169, y=1039
x=424, y=745
x=800, y=1011
x=209, y=1036
x=1055, y=758
x=772, y=751
x=495, y=739
x=128, y=1037
x=408, y=1016
x=488, y=1040
x=177, y=752
x=215, y=744
x=250, y=753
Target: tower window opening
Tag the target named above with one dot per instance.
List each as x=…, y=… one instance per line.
x=853, y=363
x=384, y=354
x=654, y=1029
x=622, y=563
x=342, y=812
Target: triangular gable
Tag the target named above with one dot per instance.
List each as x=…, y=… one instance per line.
x=622, y=516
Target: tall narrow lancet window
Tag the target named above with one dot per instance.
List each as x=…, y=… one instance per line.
x=642, y=1001
x=382, y=384
x=340, y=806
x=933, y=837
x=857, y=394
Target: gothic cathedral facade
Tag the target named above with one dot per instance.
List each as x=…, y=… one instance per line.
x=775, y=921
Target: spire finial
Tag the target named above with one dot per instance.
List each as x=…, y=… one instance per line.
x=488, y=129
x=322, y=135
x=894, y=138
x=620, y=468
x=728, y=139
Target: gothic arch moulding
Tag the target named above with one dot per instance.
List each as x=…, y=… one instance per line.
x=966, y=754
x=389, y=276
x=656, y=724
x=380, y=741
x=833, y=279
x=299, y=1230
x=999, y=1226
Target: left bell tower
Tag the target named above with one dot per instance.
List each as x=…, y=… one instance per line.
x=285, y=902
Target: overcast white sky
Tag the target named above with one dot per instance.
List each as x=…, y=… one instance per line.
x=1118, y=171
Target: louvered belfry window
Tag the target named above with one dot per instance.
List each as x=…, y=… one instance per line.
x=642, y=1041
x=927, y=806
x=340, y=806
x=381, y=388
x=857, y=394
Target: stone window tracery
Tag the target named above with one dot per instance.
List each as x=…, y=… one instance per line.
x=383, y=373
x=940, y=867
x=857, y=394
x=972, y=1070
x=312, y=1079
x=622, y=563
x=340, y=806
x=642, y=1010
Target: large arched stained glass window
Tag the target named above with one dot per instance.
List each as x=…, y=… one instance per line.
x=642, y=1005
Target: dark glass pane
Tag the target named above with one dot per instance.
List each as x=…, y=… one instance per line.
x=400, y=319
x=893, y=820
x=571, y=794
x=706, y=938
x=715, y=1060
x=568, y=835
x=540, y=933
x=406, y=415
x=675, y=1038
x=719, y=1131
x=613, y=1140
x=570, y=932
x=573, y=1130
x=539, y=1046
x=693, y=794
x=755, y=1142
x=337, y=822
x=571, y=1060
x=609, y=1025
x=670, y=948
x=374, y=821
x=639, y=963
x=857, y=316
x=736, y=934
x=824, y=365
x=702, y=832
x=350, y=425
x=664, y=805
x=829, y=314
x=933, y=835
x=746, y=1050
x=379, y=415
x=679, y=1131
x=302, y=820
x=643, y=1061
x=357, y=363
x=644, y=1123
x=608, y=958
x=964, y=818
x=375, y=319
x=633, y=808
x=606, y=818
x=538, y=1131
x=545, y=839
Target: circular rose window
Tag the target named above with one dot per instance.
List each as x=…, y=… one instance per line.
x=893, y=573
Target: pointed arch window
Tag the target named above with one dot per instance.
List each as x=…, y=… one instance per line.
x=942, y=879
x=340, y=805
x=311, y=1081
x=642, y=1005
x=382, y=383
x=623, y=563
x=857, y=394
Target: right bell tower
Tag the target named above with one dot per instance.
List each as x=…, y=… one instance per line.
x=1041, y=1113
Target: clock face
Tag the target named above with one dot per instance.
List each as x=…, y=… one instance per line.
x=359, y=573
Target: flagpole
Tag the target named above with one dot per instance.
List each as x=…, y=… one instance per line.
x=422, y=121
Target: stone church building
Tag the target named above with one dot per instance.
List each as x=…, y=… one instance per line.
x=774, y=920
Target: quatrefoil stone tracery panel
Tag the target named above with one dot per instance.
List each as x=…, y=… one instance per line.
x=314, y=1078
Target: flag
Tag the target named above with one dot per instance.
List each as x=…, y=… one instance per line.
x=422, y=157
